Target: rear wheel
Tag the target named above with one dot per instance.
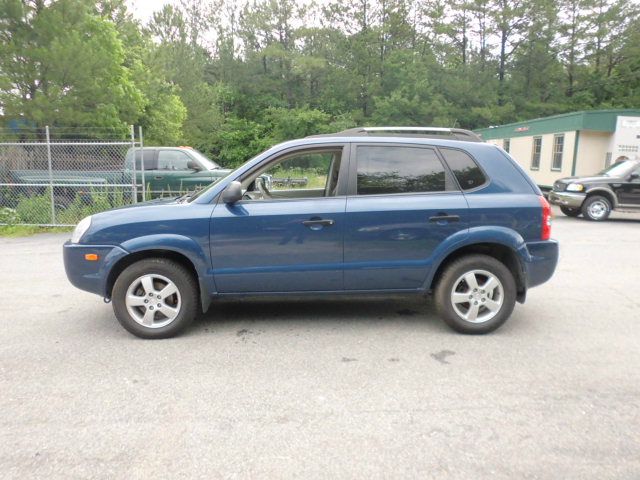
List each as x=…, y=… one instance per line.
x=476, y=294
x=596, y=208
x=570, y=212
x=155, y=298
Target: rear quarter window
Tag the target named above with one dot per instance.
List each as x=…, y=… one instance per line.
x=464, y=168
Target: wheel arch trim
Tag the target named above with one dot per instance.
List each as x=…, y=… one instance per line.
x=484, y=236
x=185, y=248
x=603, y=191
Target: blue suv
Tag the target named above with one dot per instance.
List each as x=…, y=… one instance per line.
x=391, y=210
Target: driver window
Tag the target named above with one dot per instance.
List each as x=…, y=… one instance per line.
x=307, y=174
x=173, y=160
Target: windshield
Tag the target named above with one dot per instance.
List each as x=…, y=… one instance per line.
x=232, y=172
x=200, y=192
x=620, y=169
x=209, y=164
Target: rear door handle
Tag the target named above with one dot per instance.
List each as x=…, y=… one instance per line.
x=319, y=222
x=444, y=218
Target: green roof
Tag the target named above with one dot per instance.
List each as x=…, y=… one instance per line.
x=595, y=120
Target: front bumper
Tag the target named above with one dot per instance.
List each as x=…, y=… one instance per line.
x=567, y=199
x=90, y=276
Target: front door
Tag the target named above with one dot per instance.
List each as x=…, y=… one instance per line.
x=629, y=191
x=402, y=204
x=286, y=234
x=173, y=175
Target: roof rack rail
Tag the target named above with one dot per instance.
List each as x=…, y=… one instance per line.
x=422, y=132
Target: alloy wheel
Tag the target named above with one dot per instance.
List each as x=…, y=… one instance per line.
x=153, y=300
x=477, y=296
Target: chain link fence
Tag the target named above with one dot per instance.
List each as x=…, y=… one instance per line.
x=51, y=177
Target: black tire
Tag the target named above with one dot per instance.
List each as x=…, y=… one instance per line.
x=570, y=212
x=450, y=276
x=188, y=293
x=590, y=208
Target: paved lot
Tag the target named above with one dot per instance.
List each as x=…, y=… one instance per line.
x=373, y=389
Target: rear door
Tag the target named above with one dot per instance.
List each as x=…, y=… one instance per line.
x=150, y=157
x=402, y=204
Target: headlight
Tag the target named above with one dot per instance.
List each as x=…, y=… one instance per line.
x=80, y=230
x=575, y=187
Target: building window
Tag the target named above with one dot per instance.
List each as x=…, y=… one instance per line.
x=506, y=144
x=628, y=148
x=558, y=149
x=535, y=153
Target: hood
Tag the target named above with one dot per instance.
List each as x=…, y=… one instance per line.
x=148, y=203
x=161, y=216
x=593, y=179
x=137, y=210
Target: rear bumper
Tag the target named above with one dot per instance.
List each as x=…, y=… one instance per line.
x=90, y=276
x=542, y=261
x=567, y=199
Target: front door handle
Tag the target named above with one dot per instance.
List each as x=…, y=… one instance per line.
x=317, y=223
x=158, y=177
x=444, y=218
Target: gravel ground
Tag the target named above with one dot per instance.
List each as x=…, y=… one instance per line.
x=368, y=388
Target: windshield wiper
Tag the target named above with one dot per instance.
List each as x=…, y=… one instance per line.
x=185, y=197
x=190, y=194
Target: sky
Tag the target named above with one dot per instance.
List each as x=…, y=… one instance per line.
x=143, y=9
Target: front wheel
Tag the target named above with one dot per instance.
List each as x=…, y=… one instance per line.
x=155, y=298
x=596, y=208
x=476, y=294
x=570, y=212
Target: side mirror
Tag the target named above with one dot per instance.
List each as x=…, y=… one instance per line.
x=634, y=176
x=232, y=193
x=193, y=165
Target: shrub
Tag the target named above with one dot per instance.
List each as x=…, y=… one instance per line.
x=9, y=216
x=35, y=209
x=95, y=201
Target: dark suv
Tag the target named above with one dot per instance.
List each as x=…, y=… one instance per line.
x=383, y=210
x=614, y=188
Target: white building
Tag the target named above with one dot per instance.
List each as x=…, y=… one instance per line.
x=578, y=143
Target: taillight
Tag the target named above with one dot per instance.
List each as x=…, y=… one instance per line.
x=545, y=233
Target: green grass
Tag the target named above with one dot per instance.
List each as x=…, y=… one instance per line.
x=316, y=177
x=28, y=230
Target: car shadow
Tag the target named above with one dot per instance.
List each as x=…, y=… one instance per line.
x=616, y=217
x=622, y=220
x=305, y=311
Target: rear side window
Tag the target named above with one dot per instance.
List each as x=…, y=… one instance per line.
x=150, y=162
x=465, y=169
x=394, y=169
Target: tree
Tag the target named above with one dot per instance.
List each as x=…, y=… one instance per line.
x=63, y=65
x=511, y=18
x=183, y=62
x=232, y=77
